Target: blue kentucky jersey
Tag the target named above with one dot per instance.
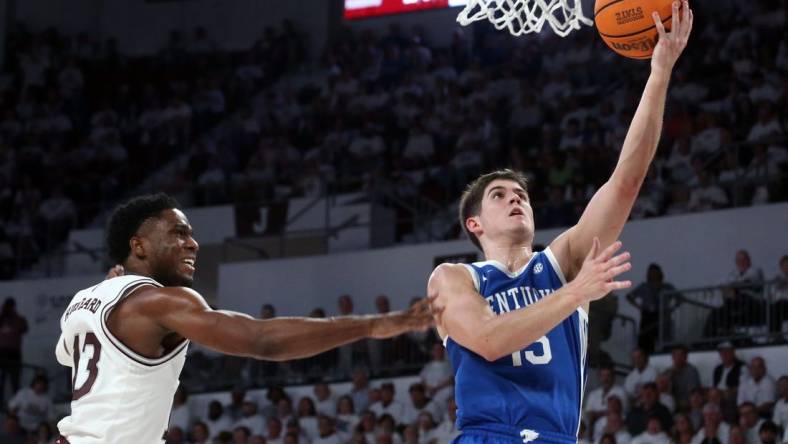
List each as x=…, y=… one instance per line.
x=538, y=391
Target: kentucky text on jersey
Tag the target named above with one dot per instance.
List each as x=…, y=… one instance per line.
x=535, y=394
x=518, y=296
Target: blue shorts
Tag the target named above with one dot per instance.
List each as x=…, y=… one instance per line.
x=499, y=434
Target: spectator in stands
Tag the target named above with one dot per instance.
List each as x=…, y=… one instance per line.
x=175, y=435
x=360, y=391
x=284, y=410
x=713, y=427
x=649, y=297
x=707, y=195
x=201, y=432
x=250, y=419
x=367, y=425
x=216, y=422
x=386, y=429
x=387, y=404
x=326, y=432
x=744, y=273
x=642, y=372
x=596, y=403
x=241, y=435
x=759, y=388
x=181, y=414
x=615, y=426
x=234, y=410
x=419, y=402
x=653, y=434
x=12, y=432
x=32, y=405
x=269, y=406
x=683, y=431
x=346, y=417
x=325, y=402
x=743, y=311
x=728, y=373
x=647, y=407
x=613, y=406
x=749, y=422
x=447, y=429
x=274, y=431
x=684, y=376
x=728, y=410
x=695, y=411
x=780, y=415
x=12, y=327
x=307, y=417
x=437, y=376
x=768, y=433
x=736, y=435
x=779, y=298
x=664, y=391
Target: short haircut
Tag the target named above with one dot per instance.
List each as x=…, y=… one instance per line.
x=768, y=426
x=650, y=386
x=471, y=200
x=127, y=218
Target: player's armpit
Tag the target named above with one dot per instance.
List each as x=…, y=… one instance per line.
x=465, y=315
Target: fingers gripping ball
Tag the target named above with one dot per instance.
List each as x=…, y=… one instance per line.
x=627, y=26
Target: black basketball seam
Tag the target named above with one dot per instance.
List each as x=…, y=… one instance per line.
x=606, y=6
x=634, y=33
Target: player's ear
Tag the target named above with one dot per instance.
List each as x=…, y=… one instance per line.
x=137, y=247
x=473, y=225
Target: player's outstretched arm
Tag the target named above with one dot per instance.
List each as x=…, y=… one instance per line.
x=609, y=209
x=465, y=316
x=185, y=312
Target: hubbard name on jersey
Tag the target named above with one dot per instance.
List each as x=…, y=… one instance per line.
x=119, y=396
x=536, y=393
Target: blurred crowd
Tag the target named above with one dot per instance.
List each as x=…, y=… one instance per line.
x=393, y=115
x=387, y=113
x=82, y=125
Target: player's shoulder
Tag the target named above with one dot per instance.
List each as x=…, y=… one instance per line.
x=452, y=277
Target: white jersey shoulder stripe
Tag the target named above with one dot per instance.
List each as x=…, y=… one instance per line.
x=126, y=351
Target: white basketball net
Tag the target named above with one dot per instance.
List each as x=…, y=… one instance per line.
x=524, y=16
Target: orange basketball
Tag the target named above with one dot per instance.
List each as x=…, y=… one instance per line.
x=627, y=26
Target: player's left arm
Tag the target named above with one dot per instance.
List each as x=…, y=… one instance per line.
x=609, y=209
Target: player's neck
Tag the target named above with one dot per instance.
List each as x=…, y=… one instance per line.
x=513, y=257
x=137, y=268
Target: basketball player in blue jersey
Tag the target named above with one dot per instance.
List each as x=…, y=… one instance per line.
x=515, y=326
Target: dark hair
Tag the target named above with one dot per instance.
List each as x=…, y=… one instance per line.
x=127, y=218
x=784, y=259
x=768, y=426
x=471, y=200
x=651, y=386
x=417, y=387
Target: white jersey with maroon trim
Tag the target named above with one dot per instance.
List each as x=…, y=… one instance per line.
x=118, y=396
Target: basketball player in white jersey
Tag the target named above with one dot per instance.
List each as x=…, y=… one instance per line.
x=515, y=326
x=126, y=337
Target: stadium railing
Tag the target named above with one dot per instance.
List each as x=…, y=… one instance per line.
x=746, y=314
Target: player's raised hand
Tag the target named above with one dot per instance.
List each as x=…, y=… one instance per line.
x=418, y=317
x=672, y=43
x=600, y=268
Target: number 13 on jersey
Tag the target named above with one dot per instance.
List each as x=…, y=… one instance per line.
x=533, y=358
x=85, y=364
